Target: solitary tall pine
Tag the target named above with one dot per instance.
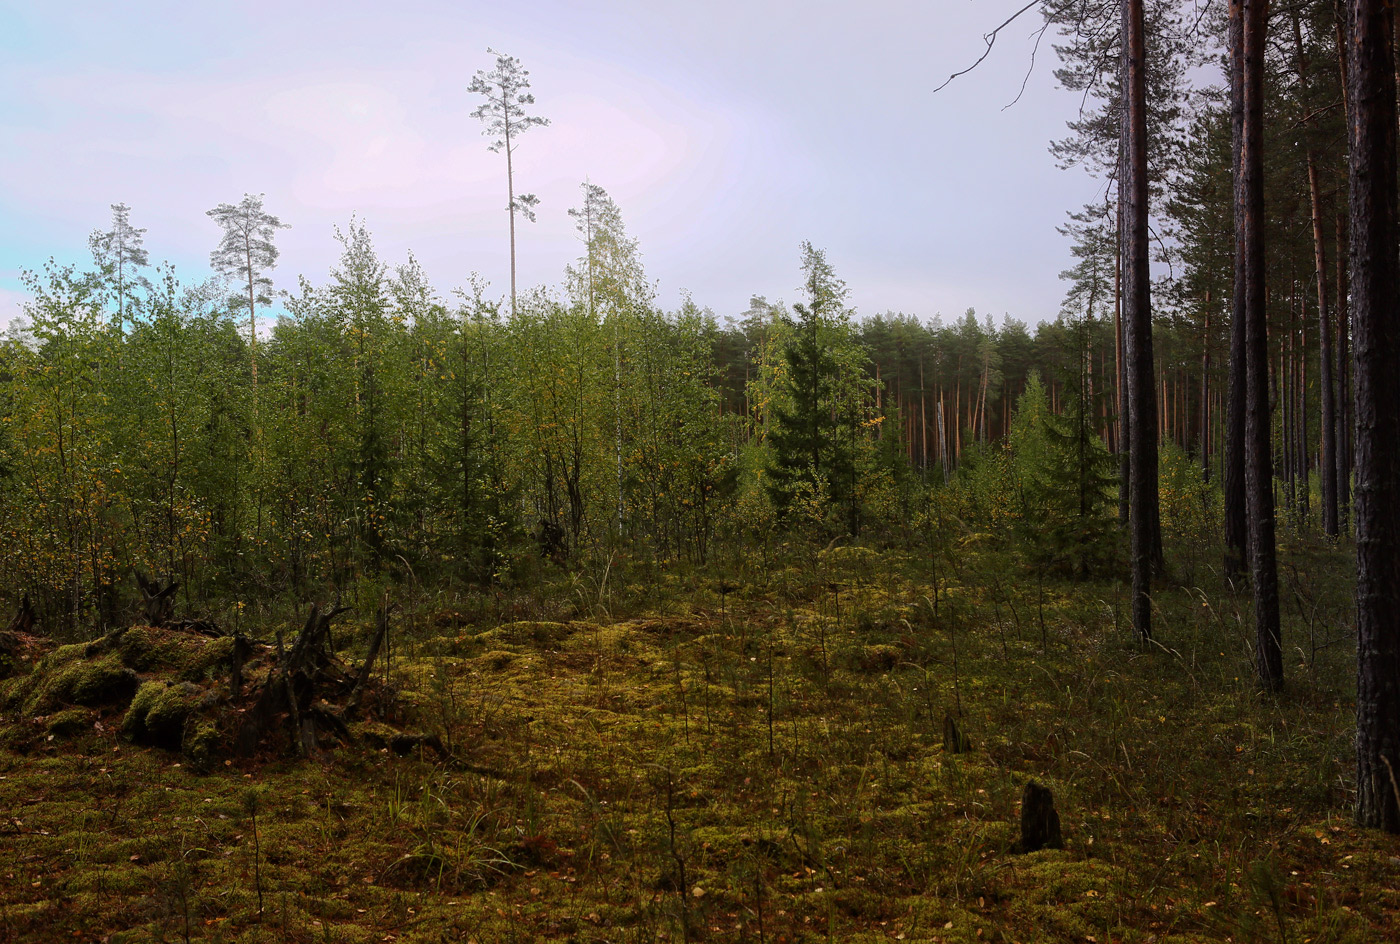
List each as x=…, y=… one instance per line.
x=119, y=254
x=246, y=253
x=503, y=114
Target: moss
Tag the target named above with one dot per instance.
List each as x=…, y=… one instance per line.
x=877, y=658
x=69, y=722
x=498, y=659
x=536, y=633
x=190, y=657
x=157, y=714
x=69, y=680
x=202, y=744
x=63, y=655
x=213, y=658
x=376, y=735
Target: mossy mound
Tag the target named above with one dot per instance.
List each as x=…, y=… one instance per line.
x=108, y=671
x=190, y=657
x=540, y=634
x=178, y=689
x=68, y=723
x=877, y=658
x=158, y=713
x=64, y=678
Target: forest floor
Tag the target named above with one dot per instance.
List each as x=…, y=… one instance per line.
x=752, y=755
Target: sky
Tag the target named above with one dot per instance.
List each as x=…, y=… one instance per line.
x=726, y=132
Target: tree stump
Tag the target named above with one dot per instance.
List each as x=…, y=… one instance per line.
x=1040, y=823
x=158, y=600
x=954, y=740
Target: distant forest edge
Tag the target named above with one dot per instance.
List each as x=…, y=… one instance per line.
x=377, y=426
x=145, y=427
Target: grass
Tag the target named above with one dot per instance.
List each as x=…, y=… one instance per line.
x=747, y=754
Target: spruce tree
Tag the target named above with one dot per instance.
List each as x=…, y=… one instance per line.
x=815, y=439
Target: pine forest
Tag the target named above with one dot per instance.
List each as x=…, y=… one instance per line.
x=380, y=603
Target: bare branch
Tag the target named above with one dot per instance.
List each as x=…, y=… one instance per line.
x=1039, y=35
x=990, y=39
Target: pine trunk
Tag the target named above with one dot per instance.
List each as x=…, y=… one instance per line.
x=1137, y=317
x=1236, y=519
x=1248, y=23
x=1375, y=278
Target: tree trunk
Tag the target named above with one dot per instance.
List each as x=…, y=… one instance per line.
x=1327, y=439
x=1205, y=399
x=1344, y=382
x=1236, y=519
x=510, y=196
x=1137, y=317
x=1120, y=372
x=1249, y=21
x=1375, y=282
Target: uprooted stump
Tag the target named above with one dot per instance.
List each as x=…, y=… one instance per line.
x=187, y=687
x=1040, y=823
x=294, y=690
x=157, y=600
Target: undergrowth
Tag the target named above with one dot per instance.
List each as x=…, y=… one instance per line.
x=753, y=753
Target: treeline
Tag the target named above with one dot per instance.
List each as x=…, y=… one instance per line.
x=379, y=425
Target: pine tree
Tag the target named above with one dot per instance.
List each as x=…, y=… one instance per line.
x=120, y=256
x=503, y=114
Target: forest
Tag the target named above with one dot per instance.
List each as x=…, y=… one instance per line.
x=367, y=612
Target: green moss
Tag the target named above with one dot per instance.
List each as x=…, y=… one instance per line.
x=68, y=680
x=202, y=744
x=498, y=659
x=63, y=655
x=538, y=633
x=69, y=722
x=190, y=657
x=157, y=714
x=877, y=658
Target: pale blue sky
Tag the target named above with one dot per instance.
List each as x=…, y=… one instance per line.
x=726, y=131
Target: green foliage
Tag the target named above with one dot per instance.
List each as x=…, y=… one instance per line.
x=1065, y=481
x=821, y=407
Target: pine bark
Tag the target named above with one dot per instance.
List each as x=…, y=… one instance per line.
x=1145, y=524
x=1249, y=20
x=1236, y=518
x=1375, y=292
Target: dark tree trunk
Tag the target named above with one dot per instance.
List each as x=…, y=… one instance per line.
x=1205, y=399
x=1236, y=519
x=1327, y=460
x=1120, y=387
x=1249, y=21
x=1375, y=281
x=1137, y=322
x=1305, y=492
x=1344, y=381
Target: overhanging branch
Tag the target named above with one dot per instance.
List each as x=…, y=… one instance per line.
x=990, y=39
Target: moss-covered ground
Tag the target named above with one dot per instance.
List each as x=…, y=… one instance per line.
x=744, y=754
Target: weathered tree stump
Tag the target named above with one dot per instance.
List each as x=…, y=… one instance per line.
x=954, y=740
x=290, y=692
x=1040, y=823
x=158, y=601
x=23, y=621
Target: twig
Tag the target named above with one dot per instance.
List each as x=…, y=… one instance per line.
x=990, y=39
